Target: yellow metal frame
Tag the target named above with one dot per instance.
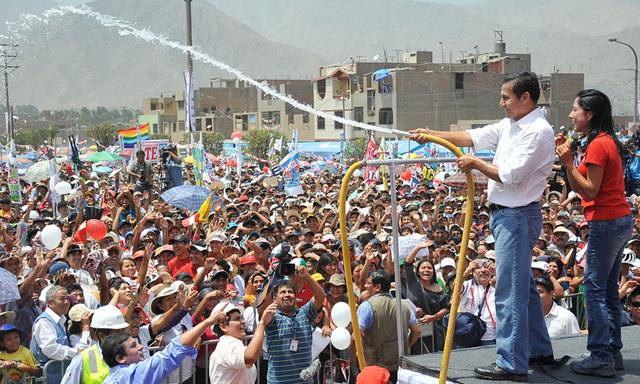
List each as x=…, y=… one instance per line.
x=455, y=302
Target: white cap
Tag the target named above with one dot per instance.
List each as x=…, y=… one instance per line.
x=226, y=307
x=542, y=265
x=447, y=262
x=108, y=317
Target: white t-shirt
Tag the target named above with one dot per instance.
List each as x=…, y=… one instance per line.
x=561, y=322
x=227, y=363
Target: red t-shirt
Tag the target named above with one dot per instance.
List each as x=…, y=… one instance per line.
x=176, y=264
x=188, y=267
x=303, y=296
x=610, y=203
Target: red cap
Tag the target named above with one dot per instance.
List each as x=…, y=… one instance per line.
x=243, y=198
x=248, y=259
x=373, y=374
x=138, y=255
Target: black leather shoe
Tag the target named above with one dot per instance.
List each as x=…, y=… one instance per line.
x=493, y=372
x=548, y=362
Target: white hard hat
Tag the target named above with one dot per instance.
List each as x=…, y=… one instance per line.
x=108, y=317
x=628, y=256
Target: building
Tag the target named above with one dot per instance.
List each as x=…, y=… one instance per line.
x=277, y=115
x=418, y=92
x=160, y=113
x=229, y=105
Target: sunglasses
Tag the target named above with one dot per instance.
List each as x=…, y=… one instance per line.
x=635, y=304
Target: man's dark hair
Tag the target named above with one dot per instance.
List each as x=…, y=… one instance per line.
x=382, y=278
x=545, y=281
x=139, y=152
x=280, y=284
x=634, y=293
x=113, y=346
x=524, y=81
x=74, y=287
x=116, y=282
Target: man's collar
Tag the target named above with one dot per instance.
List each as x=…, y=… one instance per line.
x=528, y=119
x=53, y=315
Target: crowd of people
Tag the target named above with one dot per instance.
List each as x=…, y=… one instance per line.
x=159, y=299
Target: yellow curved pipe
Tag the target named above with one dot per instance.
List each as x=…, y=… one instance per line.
x=346, y=259
x=451, y=328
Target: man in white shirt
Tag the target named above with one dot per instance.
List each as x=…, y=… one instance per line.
x=560, y=321
x=232, y=361
x=50, y=340
x=524, y=154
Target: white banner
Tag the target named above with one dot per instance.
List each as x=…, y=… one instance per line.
x=189, y=103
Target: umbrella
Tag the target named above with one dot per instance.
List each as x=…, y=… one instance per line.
x=102, y=156
x=321, y=165
x=381, y=74
x=102, y=169
x=32, y=156
x=38, y=172
x=459, y=180
x=186, y=196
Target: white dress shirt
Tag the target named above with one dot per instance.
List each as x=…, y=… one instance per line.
x=227, y=363
x=525, y=152
x=470, y=298
x=46, y=335
x=561, y=322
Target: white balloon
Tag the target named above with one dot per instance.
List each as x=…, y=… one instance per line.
x=62, y=188
x=340, y=338
x=340, y=314
x=51, y=236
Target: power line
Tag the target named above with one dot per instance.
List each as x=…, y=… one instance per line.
x=8, y=55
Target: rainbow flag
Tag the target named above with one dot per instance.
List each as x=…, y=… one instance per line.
x=130, y=135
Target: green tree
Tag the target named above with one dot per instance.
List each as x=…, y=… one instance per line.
x=50, y=133
x=354, y=149
x=102, y=134
x=260, y=140
x=213, y=142
x=31, y=136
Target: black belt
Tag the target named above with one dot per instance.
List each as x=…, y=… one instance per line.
x=495, y=207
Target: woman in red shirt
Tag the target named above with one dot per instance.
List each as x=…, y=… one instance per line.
x=599, y=180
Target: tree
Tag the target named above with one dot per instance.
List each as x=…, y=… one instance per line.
x=213, y=142
x=31, y=136
x=354, y=149
x=50, y=133
x=102, y=134
x=260, y=141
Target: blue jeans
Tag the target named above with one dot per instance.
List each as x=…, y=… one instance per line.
x=607, y=239
x=521, y=331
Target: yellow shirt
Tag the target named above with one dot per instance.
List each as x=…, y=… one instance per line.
x=22, y=355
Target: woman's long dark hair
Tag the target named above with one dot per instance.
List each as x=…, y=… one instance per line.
x=596, y=102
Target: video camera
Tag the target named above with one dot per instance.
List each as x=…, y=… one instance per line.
x=285, y=267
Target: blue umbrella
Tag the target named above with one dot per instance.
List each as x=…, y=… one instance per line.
x=321, y=165
x=186, y=196
x=102, y=169
x=381, y=74
x=32, y=156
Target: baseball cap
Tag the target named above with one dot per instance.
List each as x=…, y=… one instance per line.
x=199, y=245
x=447, y=262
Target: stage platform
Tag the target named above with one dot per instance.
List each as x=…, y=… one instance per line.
x=425, y=368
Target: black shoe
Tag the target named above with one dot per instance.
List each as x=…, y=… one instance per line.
x=548, y=362
x=493, y=372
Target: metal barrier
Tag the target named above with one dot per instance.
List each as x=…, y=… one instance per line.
x=46, y=369
x=575, y=304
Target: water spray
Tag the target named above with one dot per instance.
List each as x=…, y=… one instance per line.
x=126, y=29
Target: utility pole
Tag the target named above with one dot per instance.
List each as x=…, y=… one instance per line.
x=8, y=55
x=189, y=36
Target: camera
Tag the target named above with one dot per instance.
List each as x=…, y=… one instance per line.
x=285, y=267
